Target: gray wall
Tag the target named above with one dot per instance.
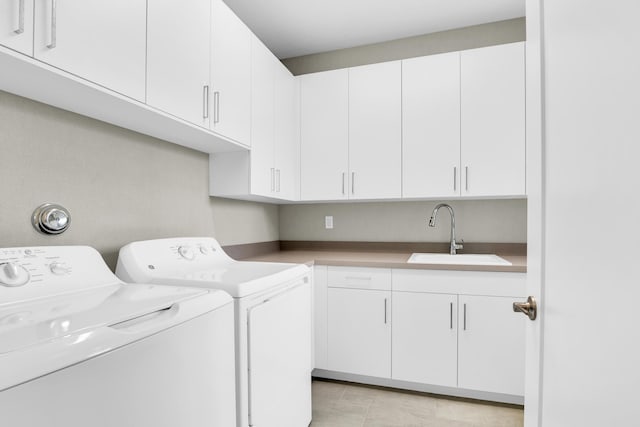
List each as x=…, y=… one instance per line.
x=495, y=221
x=478, y=221
x=119, y=185
x=512, y=30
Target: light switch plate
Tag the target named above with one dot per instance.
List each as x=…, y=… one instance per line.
x=328, y=222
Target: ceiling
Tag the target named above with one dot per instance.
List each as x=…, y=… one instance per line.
x=300, y=27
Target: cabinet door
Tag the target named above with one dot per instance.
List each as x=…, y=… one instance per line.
x=360, y=332
x=324, y=135
x=285, y=139
x=178, y=58
x=493, y=121
x=425, y=334
x=375, y=145
x=263, y=74
x=320, y=296
x=431, y=126
x=101, y=41
x=230, y=74
x=16, y=25
x=490, y=345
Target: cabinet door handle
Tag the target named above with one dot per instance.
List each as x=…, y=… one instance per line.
x=20, y=29
x=357, y=278
x=216, y=107
x=385, y=311
x=450, y=315
x=455, y=178
x=54, y=25
x=278, y=180
x=353, y=183
x=273, y=178
x=343, y=176
x=466, y=178
x=205, y=102
x=464, y=317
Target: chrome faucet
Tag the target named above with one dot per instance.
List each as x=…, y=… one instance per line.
x=432, y=223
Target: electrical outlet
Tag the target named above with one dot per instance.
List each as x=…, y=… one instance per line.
x=328, y=222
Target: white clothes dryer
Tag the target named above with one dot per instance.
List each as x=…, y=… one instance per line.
x=272, y=318
x=79, y=348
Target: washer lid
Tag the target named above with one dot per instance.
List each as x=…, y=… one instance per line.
x=238, y=278
x=39, y=337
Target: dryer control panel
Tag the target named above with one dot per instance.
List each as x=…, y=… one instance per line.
x=143, y=261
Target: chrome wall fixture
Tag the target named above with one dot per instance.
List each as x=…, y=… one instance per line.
x=51, y=219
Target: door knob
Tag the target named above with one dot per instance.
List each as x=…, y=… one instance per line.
x=529, y=308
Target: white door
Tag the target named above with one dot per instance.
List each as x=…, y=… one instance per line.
x=230, y=74
x=16, y=25
x=431, y=126
x=359, y=332
x=490, y=345
x=493, y=120
x=101, y=41
x=590, y=374
x=178, y=58
x=375, y=128
x=285, y=139
x=263, y=75
x=279, y=338
x=324, y=135
x=425, y=338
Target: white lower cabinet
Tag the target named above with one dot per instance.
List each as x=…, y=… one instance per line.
x=490, y=345
x=320, y=296
x=426, y=327
x=359, y=321
x=425, y=334
x=360, y=332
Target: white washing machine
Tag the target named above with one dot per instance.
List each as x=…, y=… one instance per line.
x=79, y=348
x=272, y=313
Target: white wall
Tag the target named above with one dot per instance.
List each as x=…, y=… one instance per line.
x=509, y=31
x=476, y=221
x=119, y=185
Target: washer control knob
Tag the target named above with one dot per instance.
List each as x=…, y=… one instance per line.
x=12, y=274
x=59, y=268
x=187, y=253
x=204, y=250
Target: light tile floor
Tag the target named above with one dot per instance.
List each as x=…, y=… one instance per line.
x=338, y=404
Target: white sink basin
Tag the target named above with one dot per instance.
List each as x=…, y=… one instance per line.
x=469, y=259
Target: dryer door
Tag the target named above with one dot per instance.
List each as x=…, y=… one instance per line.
x=279, y=347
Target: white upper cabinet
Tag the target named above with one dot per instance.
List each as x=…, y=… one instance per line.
x=431, y=126
x=230, y=74
x=324, y=135
x=286, y=136
x=263, y=74
x=375, y=162
x=178, y=58
x=493, y=121
x=101, y=41
x=16, y=25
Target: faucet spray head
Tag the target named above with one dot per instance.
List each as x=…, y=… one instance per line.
x=432, y=221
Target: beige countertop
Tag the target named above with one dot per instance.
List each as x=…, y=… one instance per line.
x=380, y=259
